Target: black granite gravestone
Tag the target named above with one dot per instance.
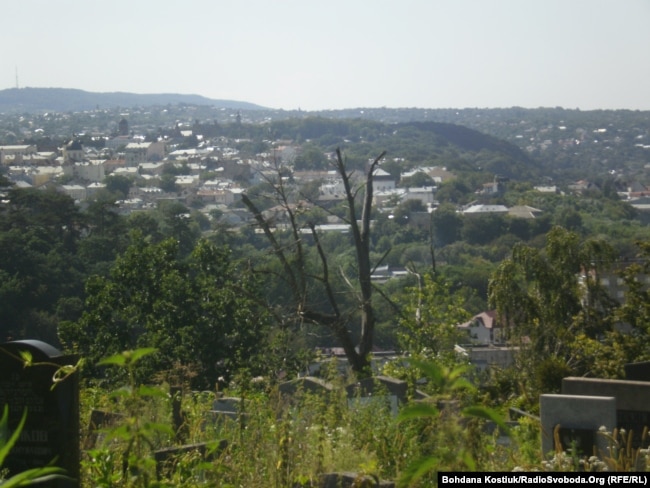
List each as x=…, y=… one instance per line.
x=51, y=432
x=637, y=371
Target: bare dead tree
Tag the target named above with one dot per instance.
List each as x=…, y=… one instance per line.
x=339, y=322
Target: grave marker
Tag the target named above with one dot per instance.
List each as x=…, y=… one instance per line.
x=100, y=420
x=579, y=418
x=632, y=406
x=51, y=432
x=309, y=384
x=637, y=371
x=167, y=458
x=392, y=390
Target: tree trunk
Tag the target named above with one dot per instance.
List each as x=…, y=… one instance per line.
x=358, y=356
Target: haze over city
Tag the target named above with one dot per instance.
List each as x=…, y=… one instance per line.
x=289, y=54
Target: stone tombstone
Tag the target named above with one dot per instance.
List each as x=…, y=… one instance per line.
x=179, y=418
x=632, y=405
x=229, y=406
x=51, y=431
x=307, y=384
x=227, y=409
x=167, y=458
x=100, y=421
x=379, y=384
x=580, y=418
x=637, y=371
x=383, y=387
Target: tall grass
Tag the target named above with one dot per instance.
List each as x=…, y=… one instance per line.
x=280, y=440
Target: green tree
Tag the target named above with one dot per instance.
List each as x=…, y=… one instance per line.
x=419, y=179
x=119, y=185
x=177, y=222
x=5, y=182
x=446, y=224
x=39, y=236
x=482, y=229
x=430, y=313
x=200, y=312
x=106, y=234
x=628, y=342
x=402, y=214
x=569, y=218
x=167, y=183
x=635, y=311
x=147, y=223
x=310, y=157
x=546, y=297
x=453, y=191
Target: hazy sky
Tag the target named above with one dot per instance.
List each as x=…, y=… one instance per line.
x=333, y=54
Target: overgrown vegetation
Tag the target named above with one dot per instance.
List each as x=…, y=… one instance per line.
x=289, y=440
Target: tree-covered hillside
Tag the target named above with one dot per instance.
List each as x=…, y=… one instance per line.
x=41, y=100
x=67, y=267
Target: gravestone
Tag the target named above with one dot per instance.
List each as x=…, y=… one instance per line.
x=167, y=458
x=637, y=371
x=308, y=384
x=392, y=390
x=51, y=432
x=502, y=439
x=632, y=405
x=579, y=418
x=226, y=409
x=100, y=420
x=179, y=418
x=229, y=407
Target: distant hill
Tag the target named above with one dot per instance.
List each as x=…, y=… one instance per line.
x=35, y=100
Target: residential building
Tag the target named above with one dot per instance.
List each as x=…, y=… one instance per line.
x=90, y=170
x=121, y=141
x=142, y=152
x=424, y=194
x=14, y=154
x=382, y=181
x=483, y=328
x=76, y=192
x=523, y=212
x=478, y=209
x=547, y=189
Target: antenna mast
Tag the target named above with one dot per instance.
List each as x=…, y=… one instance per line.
x=17, y=86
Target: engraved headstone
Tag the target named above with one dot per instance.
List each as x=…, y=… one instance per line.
x=632, y=407
x=578, y=418
x=51, y=431
x=385, y=388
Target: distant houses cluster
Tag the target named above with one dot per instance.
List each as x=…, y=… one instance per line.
x=214, y=172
